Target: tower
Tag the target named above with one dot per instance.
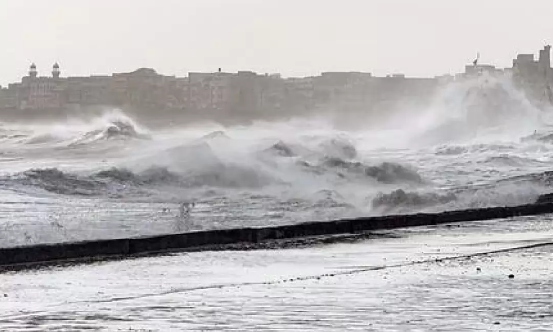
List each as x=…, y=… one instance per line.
x=547, y=51
x=32, y=71
x=545, y=57
x=56, y=70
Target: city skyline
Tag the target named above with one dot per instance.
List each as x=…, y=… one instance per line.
x=44, y=70
x=248, y=92
x=475, y=61
x=295, y=39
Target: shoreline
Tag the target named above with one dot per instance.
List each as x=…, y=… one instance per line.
x=273, y=237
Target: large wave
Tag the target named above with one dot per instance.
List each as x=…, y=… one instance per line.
x=483, y=109
x=219, y=160
x=111, y=125
x=473, y=147
x=509, y=191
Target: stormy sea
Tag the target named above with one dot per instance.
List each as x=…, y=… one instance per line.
x=480, y=143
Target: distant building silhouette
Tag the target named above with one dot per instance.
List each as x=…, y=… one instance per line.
x=248, y=93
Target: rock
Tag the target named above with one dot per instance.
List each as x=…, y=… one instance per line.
x=511, y=276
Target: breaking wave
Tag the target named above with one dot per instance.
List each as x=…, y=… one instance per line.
x=451, y=150
x=116, y=182
x=339, y=148
x=386, y=172
x=205, y=163
x=508, y=160
x=539, y=178
x=510, y=191
x=485, y=108
x=456, y=154
x=281, y=149
x=399, y=201
x=113, y=125
x=58, y=182
x=402, y=202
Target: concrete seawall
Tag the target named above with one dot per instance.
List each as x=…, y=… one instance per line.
x=27, y=256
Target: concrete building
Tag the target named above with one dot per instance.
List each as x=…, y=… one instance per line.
x=88, y=91
x=209, y=91
x=272, y=93
x=525, y=67
x=299, y=93
x=143, y=87
x=41, y=92
x=241, y=93
x=391, y=92
x=534, y=77
x=475, y=70
x=445, y=79
x=332, y=87
x=246, y=93
x=251, y=94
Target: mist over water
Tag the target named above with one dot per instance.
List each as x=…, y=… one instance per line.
x=479, y=143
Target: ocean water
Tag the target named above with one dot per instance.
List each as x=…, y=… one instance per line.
x=480, y=143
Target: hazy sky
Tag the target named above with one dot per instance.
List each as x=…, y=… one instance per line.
x=293, y=37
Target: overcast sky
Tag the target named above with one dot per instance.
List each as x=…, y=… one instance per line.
x=292, y=37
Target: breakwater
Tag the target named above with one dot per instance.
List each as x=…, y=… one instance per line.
x=28, y=256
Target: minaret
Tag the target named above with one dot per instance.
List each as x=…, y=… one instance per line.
x=32, y=71
x=56, y=70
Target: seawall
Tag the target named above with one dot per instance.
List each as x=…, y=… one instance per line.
x=36, y=255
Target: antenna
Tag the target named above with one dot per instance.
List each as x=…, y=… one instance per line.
x=475, y=62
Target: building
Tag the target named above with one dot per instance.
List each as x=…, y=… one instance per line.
x=299, y=93
x=272, y=93
x=336, y=87
x=534, y=77
x=144, y=88
x=246, y=90
x=475, y=70
x=40, y=92
x=248, y=93
x=526, y=68
x=241, y=93
x=87, y=91
x=209, y=91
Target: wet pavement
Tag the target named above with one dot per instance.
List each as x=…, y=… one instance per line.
x=450, y=278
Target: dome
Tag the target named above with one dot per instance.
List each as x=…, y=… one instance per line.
x=56, y=66
x=33, y=66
